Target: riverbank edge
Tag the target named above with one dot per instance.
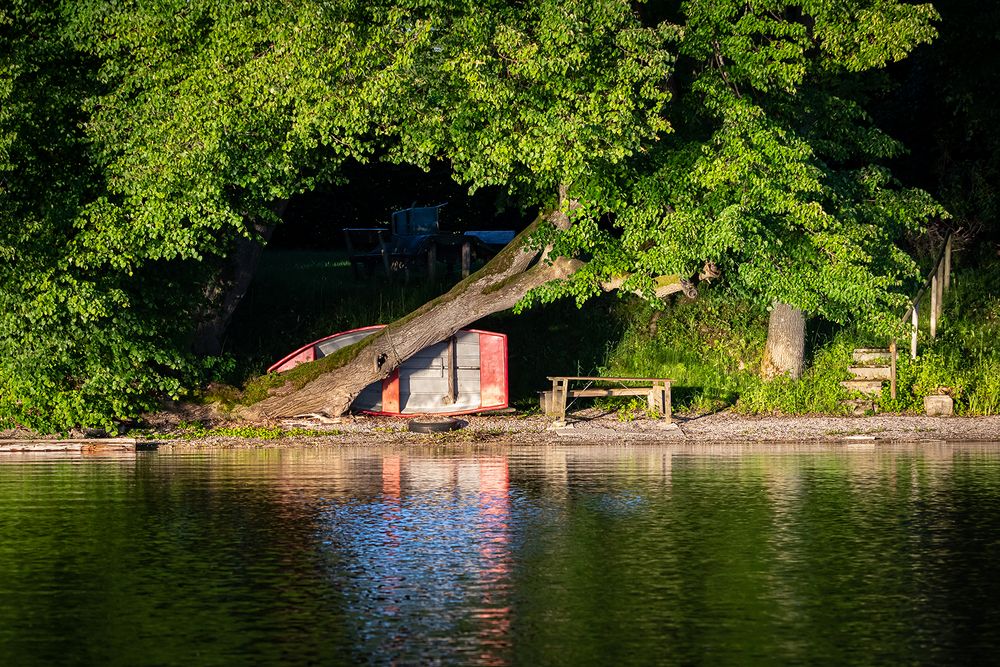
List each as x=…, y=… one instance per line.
x=179, y=431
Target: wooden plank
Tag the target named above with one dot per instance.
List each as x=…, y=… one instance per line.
x=947, y=263
x=892, y=369
x=452, y=370
x=68, y=445
x=608, y=391
x=390, y=393
x=913, y=334
x=934, y=304
x=668, y=400
x=595, y=378
x=559, y=388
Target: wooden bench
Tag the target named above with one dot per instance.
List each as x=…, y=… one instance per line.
x=656, y=390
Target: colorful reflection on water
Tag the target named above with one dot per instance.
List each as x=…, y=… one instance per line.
x=495, y=556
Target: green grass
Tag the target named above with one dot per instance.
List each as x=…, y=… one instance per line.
x=199, y=431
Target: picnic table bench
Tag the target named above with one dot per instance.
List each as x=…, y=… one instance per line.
x=657, y=391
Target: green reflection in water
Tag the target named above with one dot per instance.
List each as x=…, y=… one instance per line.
x=578, y=555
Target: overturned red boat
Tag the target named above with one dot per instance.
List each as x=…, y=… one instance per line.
x=466, y=373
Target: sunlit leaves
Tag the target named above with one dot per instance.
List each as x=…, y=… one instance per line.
x=775, y=174
x=140, y=139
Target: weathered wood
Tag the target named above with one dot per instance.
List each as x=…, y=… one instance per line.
x=863, y=386
x=608, y=391
x=934, y=305
x=915, y=322
x=657, y=391
x=947, y=263
x=870, y=372
x=452, y=370
x=863, y=355
x=892, y=369
x=68, y=445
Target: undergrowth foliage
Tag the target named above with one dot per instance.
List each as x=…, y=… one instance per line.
x=712, y=350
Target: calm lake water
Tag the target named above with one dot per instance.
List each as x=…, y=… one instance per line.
x=520, y=555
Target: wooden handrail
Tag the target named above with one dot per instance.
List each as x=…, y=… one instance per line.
x=943, y=255
x=938, y=280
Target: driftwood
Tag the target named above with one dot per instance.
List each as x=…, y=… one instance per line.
x=69, y=445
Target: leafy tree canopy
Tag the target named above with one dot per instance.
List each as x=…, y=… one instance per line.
x=139, y=140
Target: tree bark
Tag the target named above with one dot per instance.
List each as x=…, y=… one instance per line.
x=784, y=353
x=230, y=286
x=498, y=286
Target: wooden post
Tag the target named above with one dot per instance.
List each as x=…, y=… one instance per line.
x=934, y=304
x=913, y=333
x=667, y=410
x=893, y=356
x=466, y=258
x=941, y=291
x=563, y=399
x=947, y=263
x=560, y=387
x=432, y=260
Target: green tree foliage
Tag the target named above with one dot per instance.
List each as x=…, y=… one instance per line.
x=139, y=140
x=774, y=171
x=78, y=345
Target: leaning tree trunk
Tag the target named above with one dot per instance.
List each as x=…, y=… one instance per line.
x=784, y=353
x=332, y=383
x=499, y=285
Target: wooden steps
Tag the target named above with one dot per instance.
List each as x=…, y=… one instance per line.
x=872, y=387
x=870, y=369
x=868, y=355
x=870, y=372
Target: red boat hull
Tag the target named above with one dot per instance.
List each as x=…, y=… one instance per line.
x=473, y=368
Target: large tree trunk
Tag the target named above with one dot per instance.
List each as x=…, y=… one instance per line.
x=228, y=288
x=498, y=286
x=784, y=353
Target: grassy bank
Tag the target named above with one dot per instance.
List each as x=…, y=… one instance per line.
x=711, y=347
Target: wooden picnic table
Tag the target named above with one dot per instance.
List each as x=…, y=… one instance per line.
x=657, y=391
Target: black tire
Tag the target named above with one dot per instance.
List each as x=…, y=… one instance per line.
x=418, y=425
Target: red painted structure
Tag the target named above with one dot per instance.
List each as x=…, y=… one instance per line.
x=473, y=364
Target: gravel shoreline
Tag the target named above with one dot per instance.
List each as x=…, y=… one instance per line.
x=597, y=427
x=586, y=427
